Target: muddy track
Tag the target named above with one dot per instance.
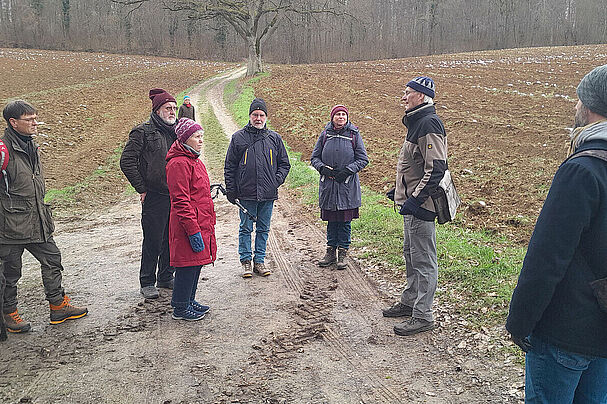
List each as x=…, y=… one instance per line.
x=303, y=335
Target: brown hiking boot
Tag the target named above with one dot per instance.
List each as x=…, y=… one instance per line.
x=329, y=258
x=260, y=269
x=14, y=322
x=246, y=269
x=341, y=258
x=65, y=311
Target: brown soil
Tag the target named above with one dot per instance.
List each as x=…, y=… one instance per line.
x=506, y=114
x=88, y=103
x=302, y=335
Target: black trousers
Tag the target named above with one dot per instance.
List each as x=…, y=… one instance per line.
x=155, y=249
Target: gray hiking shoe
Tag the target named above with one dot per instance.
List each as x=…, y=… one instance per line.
x=329, y=257
x=247, y=272
x=261, y=269
x=150, y=292
x=341, y=258
x=398, y=310
x=413, y=326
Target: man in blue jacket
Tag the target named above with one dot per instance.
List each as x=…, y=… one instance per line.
x=256, y=165
x=554, y=316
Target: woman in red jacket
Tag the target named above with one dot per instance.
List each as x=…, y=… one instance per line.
x=192, y=220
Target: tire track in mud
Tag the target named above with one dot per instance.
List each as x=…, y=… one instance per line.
x=317, y=288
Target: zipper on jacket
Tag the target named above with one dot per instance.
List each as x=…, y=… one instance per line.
x=271, y=161
x=245, y=156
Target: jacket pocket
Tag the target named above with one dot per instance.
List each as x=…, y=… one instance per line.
x=18, y=218
x=48, y=219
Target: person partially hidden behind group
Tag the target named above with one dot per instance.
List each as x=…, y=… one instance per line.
x=192, y=219
x=339, y=154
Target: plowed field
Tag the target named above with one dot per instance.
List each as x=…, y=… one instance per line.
x=507, y=116
x=89, y=106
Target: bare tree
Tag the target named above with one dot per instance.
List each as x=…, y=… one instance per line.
x=253, y=20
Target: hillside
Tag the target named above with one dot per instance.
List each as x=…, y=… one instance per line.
x=507, y=114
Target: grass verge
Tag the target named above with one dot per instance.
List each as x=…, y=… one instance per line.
x=477, y=271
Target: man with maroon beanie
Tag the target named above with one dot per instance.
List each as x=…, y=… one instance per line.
x=144, y=165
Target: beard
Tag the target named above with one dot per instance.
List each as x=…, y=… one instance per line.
x=170, y=120
x=581, y=117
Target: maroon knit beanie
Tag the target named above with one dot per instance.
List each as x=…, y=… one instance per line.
x=338, y=108
x=160, y=97
x=185, y=128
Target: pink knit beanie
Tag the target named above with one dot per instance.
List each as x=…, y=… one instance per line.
x=185, y=128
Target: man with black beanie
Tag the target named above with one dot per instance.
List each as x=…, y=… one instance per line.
x=558, y=311
x=143, y=163
x=256, y=165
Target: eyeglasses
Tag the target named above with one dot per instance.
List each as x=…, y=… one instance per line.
x=28, y=120
x=170, y=108
x=407, y=92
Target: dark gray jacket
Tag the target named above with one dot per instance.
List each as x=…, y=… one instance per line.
x=338, y=150
x=143, y=159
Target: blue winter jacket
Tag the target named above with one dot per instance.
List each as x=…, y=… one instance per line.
x=339, y=149
x=256, y=164
x=568, y=249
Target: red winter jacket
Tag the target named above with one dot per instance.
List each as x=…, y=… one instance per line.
x=192, y=209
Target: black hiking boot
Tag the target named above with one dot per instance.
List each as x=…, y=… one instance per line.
x=341, y=258
x=398, y=310
x=329, y=258
x=413, y=326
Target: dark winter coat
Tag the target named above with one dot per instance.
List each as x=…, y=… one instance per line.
x=339, y=149
x=256, y=164
x=143, y=158
x=192, y=208
x=567, y=250
x=422, y=162
x=186, y=112
x=24, y=217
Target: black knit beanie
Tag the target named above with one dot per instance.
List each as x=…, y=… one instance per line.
x=258, y=104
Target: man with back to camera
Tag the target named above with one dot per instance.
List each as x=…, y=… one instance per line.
x=143, y=162
x=27, y=220
x=554, y=316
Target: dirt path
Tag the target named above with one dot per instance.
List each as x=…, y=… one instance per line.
x=302, y=335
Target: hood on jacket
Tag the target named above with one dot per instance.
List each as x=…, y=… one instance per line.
x=594, y=131
x=180, y=149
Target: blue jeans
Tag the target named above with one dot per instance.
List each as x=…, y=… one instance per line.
x=263, y=211
x=184, y=286
x=338, y=234
x=555, y=376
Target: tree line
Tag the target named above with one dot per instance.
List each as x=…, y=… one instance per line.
x=346, y=29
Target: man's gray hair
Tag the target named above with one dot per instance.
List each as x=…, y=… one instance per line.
x=428, y=100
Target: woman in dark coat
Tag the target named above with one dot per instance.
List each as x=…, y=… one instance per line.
x=338, y=156
x=192, y=220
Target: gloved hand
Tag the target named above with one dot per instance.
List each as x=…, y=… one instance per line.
x=523, y=343
x=410, y=206
x=196, y=242
x=326, y=171
x=343, y=174
x=390, y=194
x=231, y=197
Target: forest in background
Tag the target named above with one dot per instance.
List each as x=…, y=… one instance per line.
x=369, y=29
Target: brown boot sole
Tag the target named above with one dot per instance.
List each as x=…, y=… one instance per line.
x=247, y=275
x=68, y=318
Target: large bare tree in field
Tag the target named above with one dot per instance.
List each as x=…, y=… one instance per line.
x=253, y=20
